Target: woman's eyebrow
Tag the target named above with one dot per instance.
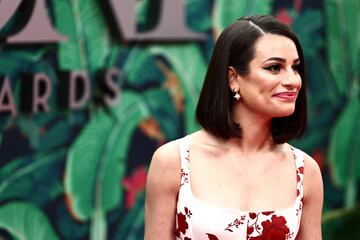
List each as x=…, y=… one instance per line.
x=278, y=59
x=282, y=60
x=296, y=61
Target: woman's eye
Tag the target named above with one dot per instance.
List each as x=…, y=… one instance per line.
x=296, y=68
x=273, y=68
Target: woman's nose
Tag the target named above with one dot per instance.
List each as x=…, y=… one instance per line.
x=291, y=79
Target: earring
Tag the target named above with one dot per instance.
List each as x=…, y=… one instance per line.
x=237, y=95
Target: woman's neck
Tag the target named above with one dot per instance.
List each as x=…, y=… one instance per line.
x=255, y=132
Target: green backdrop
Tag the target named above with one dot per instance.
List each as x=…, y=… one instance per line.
x=80, y=174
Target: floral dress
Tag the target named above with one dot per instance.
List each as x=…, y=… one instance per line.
x=196, y=220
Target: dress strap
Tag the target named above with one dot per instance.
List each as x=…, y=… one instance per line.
x=299, y=163
x=184, y=148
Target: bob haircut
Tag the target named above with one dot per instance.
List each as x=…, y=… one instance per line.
x=235, y=47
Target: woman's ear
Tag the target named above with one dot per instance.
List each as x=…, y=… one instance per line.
x=233, y=78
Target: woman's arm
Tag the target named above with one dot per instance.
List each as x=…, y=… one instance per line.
x=310, y=226
x=162, y=187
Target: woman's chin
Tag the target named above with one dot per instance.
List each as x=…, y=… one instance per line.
x=283, y=112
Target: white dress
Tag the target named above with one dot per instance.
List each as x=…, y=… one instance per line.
x=200, y=221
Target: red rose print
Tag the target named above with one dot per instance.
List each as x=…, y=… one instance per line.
x=182, y=224
x=250, y=230
x=212, y=237
x=275, y=229
x=252, y=215
x=267, y=213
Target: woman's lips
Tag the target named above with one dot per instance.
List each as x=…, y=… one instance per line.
x=286, y=95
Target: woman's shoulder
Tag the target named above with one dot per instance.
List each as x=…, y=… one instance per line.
x=309, y=162
x=312, y=174
x=165, y=168
x=311, y=169
x=167, y=155
x=306, y=157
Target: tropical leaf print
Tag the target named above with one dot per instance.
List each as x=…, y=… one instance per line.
x=26, y=222
x=141, y=69
x=227, y=11
x=163, y=110
x=342, y=17
x=190, y=66
x=344, y=151
x=36, y=179
x=95, y=164
x=89, y=38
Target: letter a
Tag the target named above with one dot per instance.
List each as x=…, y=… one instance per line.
x=6, y=92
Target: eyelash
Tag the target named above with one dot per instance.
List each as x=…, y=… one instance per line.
x=296, y=68
x=276, y=68
x=273, y=68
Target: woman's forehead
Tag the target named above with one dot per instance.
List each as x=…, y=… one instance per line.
x=271, y=45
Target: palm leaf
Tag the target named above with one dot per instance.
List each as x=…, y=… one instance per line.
x=71, y=53
x=132, y=225
x=36, y=179
x=198, y=15
x=341, y=224
x=308, y=26
x=25, y=222
x=190, y=66
x=45, y=131
x=89, y=40
x=144, y=15
x=96, y=161
x=114, y=55
x=140, y=69
x=227, y=11
x=343, y=43
x=161, y=107
x=320, y=78
x=19, y=60
x=352, y=19
x=344, y=150
x=64, y=223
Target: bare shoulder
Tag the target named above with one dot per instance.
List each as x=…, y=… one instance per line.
x=167, y=156
x=165, y=164
x=311, y=168
x=310, y=226
x=162, y=185
x=313, y=184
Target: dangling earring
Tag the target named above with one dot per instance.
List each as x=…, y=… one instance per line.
x=237, y=95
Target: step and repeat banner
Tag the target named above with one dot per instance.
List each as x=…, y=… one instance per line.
x=90, y=88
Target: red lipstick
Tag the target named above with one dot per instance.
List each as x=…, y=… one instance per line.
x=286, y=95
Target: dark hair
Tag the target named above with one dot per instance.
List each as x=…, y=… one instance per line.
x=235, y=47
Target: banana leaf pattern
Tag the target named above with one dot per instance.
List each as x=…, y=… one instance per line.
x=81, y=174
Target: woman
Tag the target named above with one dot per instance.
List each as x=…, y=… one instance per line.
x=237, y=178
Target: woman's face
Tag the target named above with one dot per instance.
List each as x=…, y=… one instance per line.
x=273, y=82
